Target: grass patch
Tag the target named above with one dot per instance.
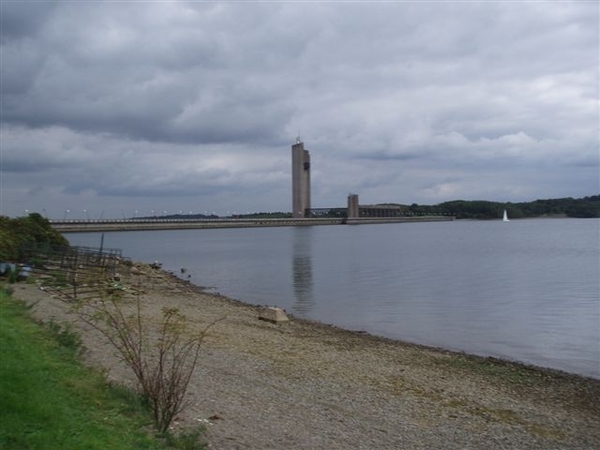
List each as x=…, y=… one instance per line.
x=49, y=401
x=65, y=336
x=512, y=373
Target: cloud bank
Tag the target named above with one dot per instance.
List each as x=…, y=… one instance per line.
x=117, y=107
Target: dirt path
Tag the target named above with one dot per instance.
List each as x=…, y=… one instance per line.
x=303, y=385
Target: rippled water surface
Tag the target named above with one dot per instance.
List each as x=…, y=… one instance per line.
x=526, y=290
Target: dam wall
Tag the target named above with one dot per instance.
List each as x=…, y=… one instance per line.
x=87, y=226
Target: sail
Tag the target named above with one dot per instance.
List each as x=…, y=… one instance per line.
x=505, y=218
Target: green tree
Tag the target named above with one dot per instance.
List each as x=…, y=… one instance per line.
x=33, y=231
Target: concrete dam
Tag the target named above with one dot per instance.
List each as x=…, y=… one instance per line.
x=145, y=224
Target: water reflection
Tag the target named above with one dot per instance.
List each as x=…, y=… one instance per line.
x=302, y=271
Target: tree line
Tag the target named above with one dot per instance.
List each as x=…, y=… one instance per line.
x=586, y=207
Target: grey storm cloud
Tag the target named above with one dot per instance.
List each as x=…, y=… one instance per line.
x=184, y=105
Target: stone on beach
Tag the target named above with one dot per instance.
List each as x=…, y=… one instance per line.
x=273, y=314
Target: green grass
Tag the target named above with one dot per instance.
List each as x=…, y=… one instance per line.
x=48, y=400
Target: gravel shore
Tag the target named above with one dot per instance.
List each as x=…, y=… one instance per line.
x=304, y=385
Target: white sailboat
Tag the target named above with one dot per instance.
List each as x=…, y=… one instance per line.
x=505, y=217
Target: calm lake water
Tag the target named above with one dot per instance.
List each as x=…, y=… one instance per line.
x=527, y=290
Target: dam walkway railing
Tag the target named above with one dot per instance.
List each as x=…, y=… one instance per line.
x=74, y=226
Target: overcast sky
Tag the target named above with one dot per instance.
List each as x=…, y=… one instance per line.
x=114, y=107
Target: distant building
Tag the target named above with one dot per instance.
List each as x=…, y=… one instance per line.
x=300, y=180
x=382, y=210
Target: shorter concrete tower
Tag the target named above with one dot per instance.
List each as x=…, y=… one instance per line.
x=300, y=179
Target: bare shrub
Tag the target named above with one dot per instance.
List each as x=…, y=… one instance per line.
x=162, y=360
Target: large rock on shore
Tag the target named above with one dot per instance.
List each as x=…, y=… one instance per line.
x=273, y=315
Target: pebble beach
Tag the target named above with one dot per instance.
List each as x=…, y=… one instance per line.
x=306, y=385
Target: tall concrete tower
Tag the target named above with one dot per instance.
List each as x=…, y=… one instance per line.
x=353, y=211
x=300, y=179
